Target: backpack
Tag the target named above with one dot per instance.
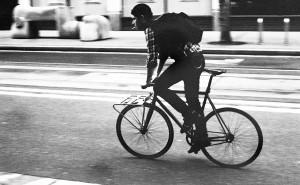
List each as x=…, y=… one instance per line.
x=172, y=31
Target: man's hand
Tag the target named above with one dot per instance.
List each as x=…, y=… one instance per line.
x=148, y=84
x=149, y=81
x=145, y=86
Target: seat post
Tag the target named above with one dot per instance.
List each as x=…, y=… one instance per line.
x=209, y=84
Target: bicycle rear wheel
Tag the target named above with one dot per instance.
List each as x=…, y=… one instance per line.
x=238, y=148
x=150, y=142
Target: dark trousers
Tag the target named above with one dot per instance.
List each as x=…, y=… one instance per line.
x=188, y=69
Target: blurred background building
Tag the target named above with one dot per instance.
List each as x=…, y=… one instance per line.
x=243, y=13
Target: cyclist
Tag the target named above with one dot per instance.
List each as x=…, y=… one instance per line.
x=175, y=36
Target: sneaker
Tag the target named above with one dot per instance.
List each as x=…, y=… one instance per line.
x=194, y=149
x=187, y=125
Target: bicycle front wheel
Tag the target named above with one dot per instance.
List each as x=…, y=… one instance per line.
x=150, y=142
x=239, y=145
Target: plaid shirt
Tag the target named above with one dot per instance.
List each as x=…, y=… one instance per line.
x=152, y=49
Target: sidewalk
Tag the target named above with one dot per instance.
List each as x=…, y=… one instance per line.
x=134, y=41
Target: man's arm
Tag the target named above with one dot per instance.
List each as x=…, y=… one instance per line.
x=150, y=72
x=152, y=54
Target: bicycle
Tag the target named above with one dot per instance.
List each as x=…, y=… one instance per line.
x=145, y=129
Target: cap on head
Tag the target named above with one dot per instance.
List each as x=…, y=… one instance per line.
x=142, y=9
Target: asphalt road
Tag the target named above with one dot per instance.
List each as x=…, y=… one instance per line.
x=138, y=59
x=59, y=123
x=76, y=140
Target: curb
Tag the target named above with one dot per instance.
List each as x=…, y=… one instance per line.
x=143, y=50
x=78, y=49
x=252, y=52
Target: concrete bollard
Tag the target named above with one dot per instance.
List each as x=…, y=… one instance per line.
x=24, y=20
x=286, y=27
x=66, y=24
x=94, y=27
x=260, y=22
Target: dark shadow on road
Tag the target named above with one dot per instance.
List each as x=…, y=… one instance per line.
x=177, y=170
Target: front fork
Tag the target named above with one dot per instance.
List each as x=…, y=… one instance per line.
x=145, y=124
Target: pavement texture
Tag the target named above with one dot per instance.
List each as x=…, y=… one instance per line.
x=126, y=41
x=273, y=43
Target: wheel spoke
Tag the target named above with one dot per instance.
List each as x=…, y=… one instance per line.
x=136, y=118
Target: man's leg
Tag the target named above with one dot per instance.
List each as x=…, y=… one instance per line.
x=171, y=76
x=191, y=86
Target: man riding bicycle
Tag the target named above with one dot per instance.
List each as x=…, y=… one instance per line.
x=175, y=36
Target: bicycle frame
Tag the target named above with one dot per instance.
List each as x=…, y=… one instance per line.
x=173, y=117
x=144, y=111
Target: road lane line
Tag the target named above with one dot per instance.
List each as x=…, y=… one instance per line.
x=260, y=96
x=83, y=89
x=113, y=98
x=76, y=52
x=235, y=61
x=8, y=176
x=44, y=181
x=145, y=54
x=62, y=96
x=59, y=92
x=20, y=179
x=66, y=69
x=252, y=56
x=140, y=69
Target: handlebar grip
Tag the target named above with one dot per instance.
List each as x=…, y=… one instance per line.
x=144, y=86
x=147, y=85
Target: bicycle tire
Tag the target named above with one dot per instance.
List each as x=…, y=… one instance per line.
x=163, y=137
x=244, y=128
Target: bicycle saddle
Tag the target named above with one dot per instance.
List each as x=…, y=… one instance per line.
x=215, y=72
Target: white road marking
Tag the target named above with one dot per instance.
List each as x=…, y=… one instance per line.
x=63, y=96
x=225, y=61
x=145, y=54
x=256, y=94
x=59, y=92
x=75, y=52
x=44, y=181
x=254, y=56
x=64, y=182
x=61, y=68
x=116, y=98
x=7, y=177
x=230, y=93
x=97, y=81
x=141, y=69
x=19, y=179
